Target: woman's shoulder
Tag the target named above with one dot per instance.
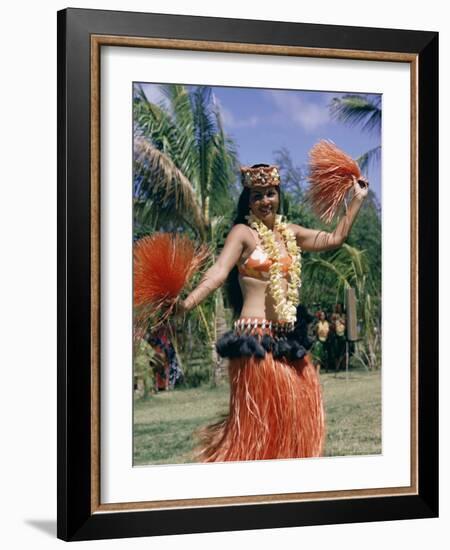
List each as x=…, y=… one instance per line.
x=242, y=234
x=239, y=235
x=240, y=227
x=241, y=230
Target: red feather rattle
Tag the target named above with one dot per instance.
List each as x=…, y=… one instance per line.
x=331, y=173
x=164, y=263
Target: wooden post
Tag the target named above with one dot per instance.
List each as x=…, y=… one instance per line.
x=351, y=323
x=352, y=328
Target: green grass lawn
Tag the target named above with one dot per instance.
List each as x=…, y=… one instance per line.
x=164, y=423
x=353, y=413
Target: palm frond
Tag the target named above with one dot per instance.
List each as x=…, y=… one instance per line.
x=152, y=215
x=183, y=118
x=223, y=166
x=348, y=266
x=315, y=265
x=357, y=109
x=186, y=128
x=205, y=131
x=357, y=258
x=162, y=175
x=368, y=158
x=155, y=124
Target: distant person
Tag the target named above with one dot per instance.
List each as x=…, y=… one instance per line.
x=320, y=349
x=337, y=341
x=166, y=368
x=159, y=363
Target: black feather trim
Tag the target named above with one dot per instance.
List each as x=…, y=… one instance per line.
x=291, y=346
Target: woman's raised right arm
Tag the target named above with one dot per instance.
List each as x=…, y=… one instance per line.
x=217, y=274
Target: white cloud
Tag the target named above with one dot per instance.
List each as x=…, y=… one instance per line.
x=153, y=93
x=306, y=114
x=231, y=121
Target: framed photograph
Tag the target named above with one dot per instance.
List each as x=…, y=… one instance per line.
x=247, y=274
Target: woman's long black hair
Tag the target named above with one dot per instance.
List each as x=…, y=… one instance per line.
x=232, y=287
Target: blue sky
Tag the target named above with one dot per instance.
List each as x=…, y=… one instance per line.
x=262, y=121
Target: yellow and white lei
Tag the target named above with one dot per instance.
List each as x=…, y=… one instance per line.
x=285, y=302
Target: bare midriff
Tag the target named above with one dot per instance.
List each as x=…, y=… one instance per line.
x=257, y=300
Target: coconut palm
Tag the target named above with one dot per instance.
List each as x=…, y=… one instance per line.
x=363, y=110
x=184, y=169
x=182, y=159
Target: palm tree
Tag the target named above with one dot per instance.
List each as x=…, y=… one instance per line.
x=348, y=267
x=183, y=159
x=364, y=110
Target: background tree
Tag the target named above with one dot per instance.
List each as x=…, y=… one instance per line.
x=360, y=110
x=327, y=274
x=185, y=167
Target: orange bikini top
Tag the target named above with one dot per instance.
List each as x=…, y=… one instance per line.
x=257, y=265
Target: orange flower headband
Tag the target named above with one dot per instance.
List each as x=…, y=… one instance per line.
x=260, y=176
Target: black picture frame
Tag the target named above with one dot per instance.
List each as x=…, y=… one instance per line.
x=79, y=517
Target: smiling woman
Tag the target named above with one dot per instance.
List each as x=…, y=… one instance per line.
x=276, y=406
x=100, y=492
x=263, y=202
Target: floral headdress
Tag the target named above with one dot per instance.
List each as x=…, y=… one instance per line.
x=260, y=176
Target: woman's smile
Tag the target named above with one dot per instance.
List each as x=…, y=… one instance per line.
x=265, y=210
x=264, y=202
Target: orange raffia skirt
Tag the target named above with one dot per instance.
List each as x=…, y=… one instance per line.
x=276, y=407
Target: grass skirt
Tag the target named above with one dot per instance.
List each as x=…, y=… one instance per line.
x=276, y=411
x=321, y=353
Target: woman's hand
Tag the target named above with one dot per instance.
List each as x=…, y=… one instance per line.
x=360, y=187
x=312, y=240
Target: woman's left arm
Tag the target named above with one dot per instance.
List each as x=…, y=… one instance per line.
x=313, y=240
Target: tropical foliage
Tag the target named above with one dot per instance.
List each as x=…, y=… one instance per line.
x=185, y=175
x=360, y=110
x=145, y=361
x=357, y=264
x=185, y=167
x=182, y=159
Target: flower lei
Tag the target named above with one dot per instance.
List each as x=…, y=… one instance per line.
x=285, y=303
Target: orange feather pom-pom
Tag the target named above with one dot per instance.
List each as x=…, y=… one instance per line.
x=163, y=265
x=330, y=177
